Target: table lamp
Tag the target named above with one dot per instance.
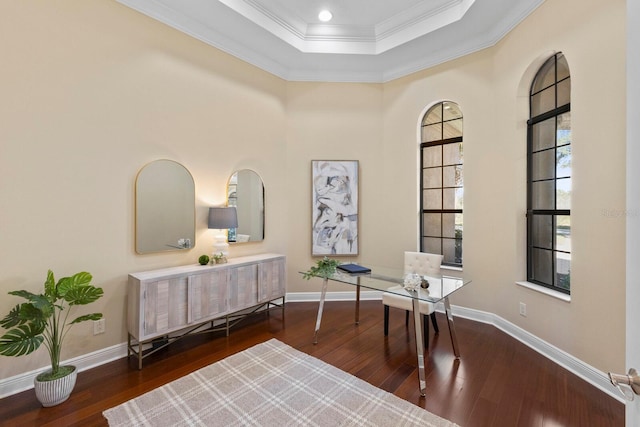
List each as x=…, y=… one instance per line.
x=222, y=218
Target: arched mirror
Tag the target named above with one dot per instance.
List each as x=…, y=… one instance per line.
x=245, y=191
x=165, y=208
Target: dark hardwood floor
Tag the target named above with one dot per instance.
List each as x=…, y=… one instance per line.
x=497, y=382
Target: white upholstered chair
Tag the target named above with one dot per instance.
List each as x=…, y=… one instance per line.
x=423, y=264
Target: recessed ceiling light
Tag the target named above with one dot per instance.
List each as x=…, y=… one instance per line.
x=325, y=16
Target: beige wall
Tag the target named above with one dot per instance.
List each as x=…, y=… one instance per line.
x=92, y=91
x=491, y=87
x=328, y=121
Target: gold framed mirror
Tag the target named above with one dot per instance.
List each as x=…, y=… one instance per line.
x=245, y=191
x=165, y=208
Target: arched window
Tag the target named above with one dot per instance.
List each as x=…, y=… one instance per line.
x=441, y=176
x=549, y=177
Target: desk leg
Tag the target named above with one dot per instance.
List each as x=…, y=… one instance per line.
x=358, y=302
x=452, y=328
x=320, y=308
x=417, y=318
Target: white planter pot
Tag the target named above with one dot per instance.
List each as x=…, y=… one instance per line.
x=51, y=393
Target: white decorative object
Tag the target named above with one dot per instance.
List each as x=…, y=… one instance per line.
x=54, y=392
x=220, y=246
x=221, y=219
x=412, y=281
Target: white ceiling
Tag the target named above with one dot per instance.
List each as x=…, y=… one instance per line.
x=366, y=41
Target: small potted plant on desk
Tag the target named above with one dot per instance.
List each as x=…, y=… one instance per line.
x=43, y=320
x=324, y=268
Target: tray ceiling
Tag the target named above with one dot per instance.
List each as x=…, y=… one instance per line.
x=366, y=41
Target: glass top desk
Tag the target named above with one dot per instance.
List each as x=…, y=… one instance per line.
x=391, y=280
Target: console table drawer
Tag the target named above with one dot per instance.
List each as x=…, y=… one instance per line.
x=171, y=300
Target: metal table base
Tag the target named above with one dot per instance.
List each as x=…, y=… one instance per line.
x=417, y=320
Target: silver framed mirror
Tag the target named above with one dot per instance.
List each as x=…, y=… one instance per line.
x=165, y=208
x=245, y=191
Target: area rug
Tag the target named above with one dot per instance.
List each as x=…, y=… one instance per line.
x=270, y=384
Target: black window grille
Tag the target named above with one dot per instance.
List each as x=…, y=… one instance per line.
x=549, y=177
x=441, y=177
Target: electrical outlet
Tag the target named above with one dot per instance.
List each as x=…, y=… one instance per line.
x=99, y=326
x=523, y=309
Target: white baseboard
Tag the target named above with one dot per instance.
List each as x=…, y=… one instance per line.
x=23, y=382
x=593, y=376
x=588, y=373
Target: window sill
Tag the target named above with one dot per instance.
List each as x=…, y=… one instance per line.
x=546, y=291
x=448, y=267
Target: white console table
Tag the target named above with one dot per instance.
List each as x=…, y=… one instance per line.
x=171, y=303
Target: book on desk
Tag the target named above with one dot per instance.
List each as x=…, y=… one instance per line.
x=354, y=269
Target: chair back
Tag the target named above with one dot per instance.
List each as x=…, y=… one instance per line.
x=422, y=263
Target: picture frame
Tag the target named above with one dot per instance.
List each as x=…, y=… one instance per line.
x=334, y=210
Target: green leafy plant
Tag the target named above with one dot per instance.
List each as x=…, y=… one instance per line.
x=203, y=260
x=44, y=319
x=219, y=258
x=324, y=267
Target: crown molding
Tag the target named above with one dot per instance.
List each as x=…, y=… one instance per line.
x=342, y=53
x=413, y=23
x=288, y=28
x=374, y=39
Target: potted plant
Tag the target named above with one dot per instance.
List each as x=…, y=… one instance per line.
x=324, y=268
x=219, y=258
x=44, y=319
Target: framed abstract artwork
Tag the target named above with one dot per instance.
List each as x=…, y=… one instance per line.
x=334, y=210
